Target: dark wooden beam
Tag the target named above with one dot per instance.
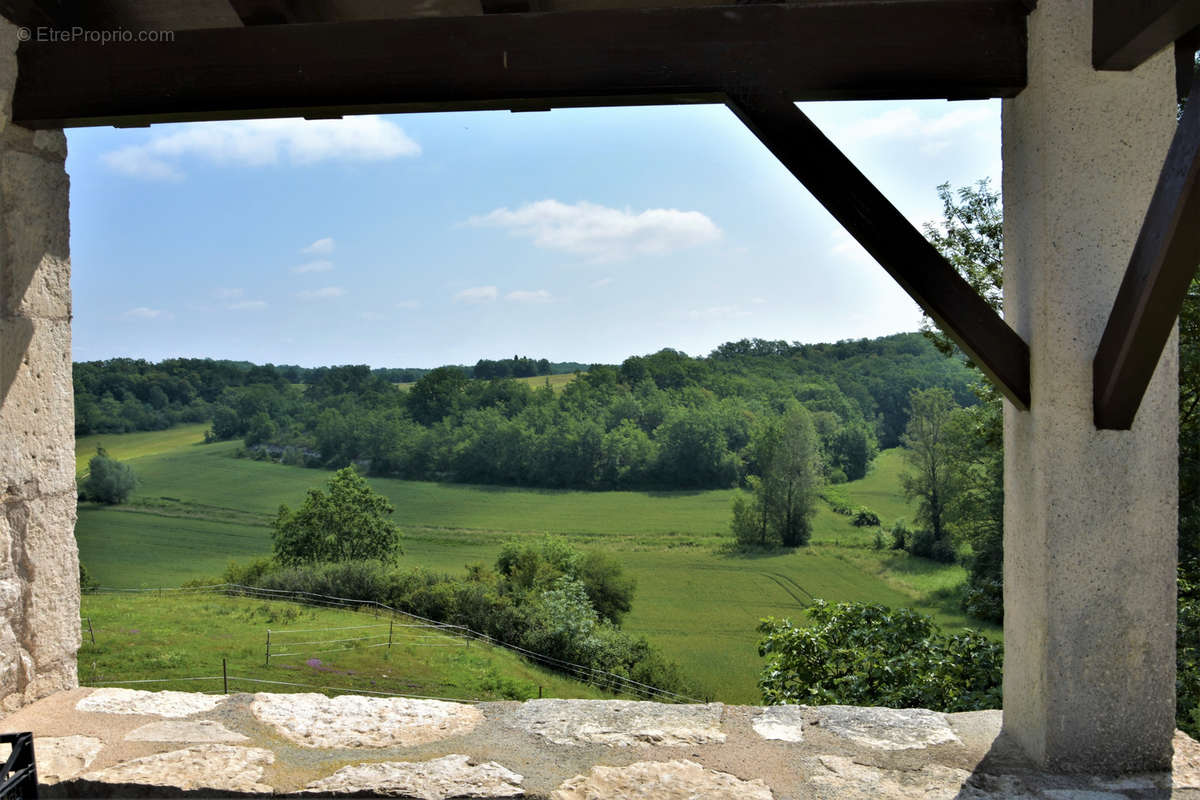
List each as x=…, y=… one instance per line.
x=1127, y=32
x=837, y=49
x=1164, y=260
x=884, y=232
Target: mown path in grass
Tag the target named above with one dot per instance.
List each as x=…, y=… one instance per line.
x=197, y=506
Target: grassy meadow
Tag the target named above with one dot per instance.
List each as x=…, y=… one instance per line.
x=174, y=635
x=197, y=506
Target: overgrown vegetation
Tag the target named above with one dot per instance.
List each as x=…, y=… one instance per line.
x=548, y=597
x=870, y=655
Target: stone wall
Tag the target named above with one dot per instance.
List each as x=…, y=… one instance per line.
x=39, y=586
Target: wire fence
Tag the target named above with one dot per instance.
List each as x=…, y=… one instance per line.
x=602, y=679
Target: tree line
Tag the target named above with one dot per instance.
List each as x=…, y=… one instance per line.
x=122, y=395
x=665, y=420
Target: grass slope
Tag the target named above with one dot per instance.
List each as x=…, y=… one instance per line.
x=197, y=506
x=557, y=382
x=183, y=635
x=124, y=446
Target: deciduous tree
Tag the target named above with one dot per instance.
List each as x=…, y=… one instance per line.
x=350, y=522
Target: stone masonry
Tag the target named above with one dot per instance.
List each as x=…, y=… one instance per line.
x=124, y=743
x=39, y=586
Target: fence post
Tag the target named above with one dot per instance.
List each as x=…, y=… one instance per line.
x=539, y=693
x=225, y=676
x=268, y=647
x=388, y=655
x=91, y=631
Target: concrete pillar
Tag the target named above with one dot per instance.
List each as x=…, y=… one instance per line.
x=1090, y=516
x=39, y=565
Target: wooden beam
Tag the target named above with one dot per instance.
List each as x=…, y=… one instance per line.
x=1164, y=260
x=884, y=233
x=1127, y=32
x=837, y=49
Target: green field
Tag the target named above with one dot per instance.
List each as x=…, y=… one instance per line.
x=197, y=506
x=124, y=446
x=557, y=382
x=174, y=635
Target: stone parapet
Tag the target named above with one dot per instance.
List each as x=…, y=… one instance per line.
x=123, y=743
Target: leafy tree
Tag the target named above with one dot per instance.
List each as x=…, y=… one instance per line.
x=108, y=481
x=971, y=238
x=870, y=655
x=935, y=480
x=788, y=456
x=529, y=568
x=436, y=395
x=349, y=523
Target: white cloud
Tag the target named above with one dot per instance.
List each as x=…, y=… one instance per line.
x=477, y=294
x=229, y=294
x=262, y=142
x=758, y=301
x=408, y=304
x=320, y=265
x=935, y=133
x=600, y=283
x=321, y=294
x=600, y=232
x=321, y=247
x=527, y=296
x=248, y=305
x=141, y=312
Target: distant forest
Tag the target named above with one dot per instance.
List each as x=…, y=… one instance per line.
x=660, y=421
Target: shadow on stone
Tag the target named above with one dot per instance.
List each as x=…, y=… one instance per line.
x=1005, y=771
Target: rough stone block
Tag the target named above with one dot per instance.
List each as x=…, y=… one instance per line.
x=39, y=597
x=37, y=407
x=35, y=264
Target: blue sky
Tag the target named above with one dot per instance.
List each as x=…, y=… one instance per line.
x=575, y=235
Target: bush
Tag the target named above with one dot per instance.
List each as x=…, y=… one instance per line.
x=870, y=655
x=865, y=518
x=901, y=535
x=86, y=582
x=984, y=599
x=924, y=544
x=108, y=481
x=878, y=542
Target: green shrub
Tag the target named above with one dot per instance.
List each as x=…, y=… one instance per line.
x=870, y=655
x=86, y=582
x=108, y=481
x=878, y=542
x=901, y=535
x=865, y=518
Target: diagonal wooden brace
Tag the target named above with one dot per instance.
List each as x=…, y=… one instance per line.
x=890, y=238
x=1156, y=281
